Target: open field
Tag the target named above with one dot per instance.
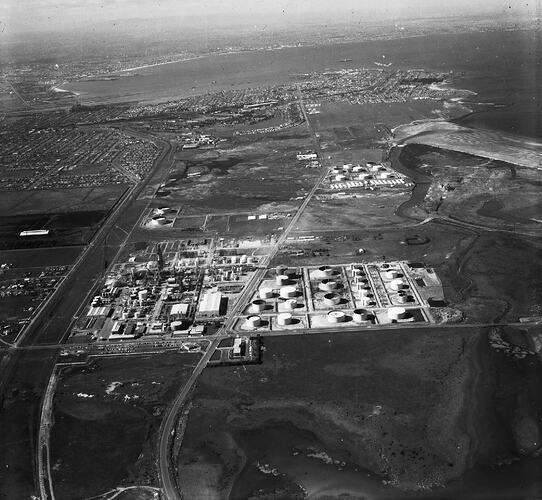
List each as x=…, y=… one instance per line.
x=476, y=190
x=106, y=418
x=354, y=401
x=244, y=175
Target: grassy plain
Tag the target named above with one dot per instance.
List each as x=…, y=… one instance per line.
x=107, y=416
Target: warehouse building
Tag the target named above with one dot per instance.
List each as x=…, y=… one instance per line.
x=209, y=306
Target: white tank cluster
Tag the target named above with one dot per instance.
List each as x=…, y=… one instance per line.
x=254, y=321
x=397, y=313
x=284, y=319
x=266, y=293
x=360, y=315
x=331, y=299
x=336, y=317
x=288, y=292
x=327, y=285
x=258, y=305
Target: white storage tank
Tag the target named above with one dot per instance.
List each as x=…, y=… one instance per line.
x=280, y=270
x=340, y=178
x=176, y=326
x=258, y=305
x=254, y=321
x=336, y=317
x=360, y=315
x=331, y=299
x=397, y=313
x=327, y=285
x=324, y=272
x=290, y=304
x=285, y=319
x=403, y=299
x=368, y=302
x=282, y=280
x=266, y=293
x=392, y=274
x=288, y=292
x=158, y=221
x=398, y=284
x=243, y=259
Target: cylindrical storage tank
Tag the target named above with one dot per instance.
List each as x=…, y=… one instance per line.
x=280, y=270
x=176, y=325
x=254, y=321
x=391, y=274
x=385, y=175
x=336, y=317
x=258, y=305
x=397, y=284
x=324, y=272
x=403, y=299
x=367, y=301
x=250, y=260
x=327, y=285
x=288, y=292
x=365, y=291
x=360, y=315
x=331, y=299
x=163, y=210
x=266, y=293
x=396, y=313
x=340, y=177
x=285, y=319
x=159, y=221
x=358, y=272
x=290, y=304
x=282, y=280
x=363, y=176
x=357, y=168
x=243, y=259
x=233, y=259
x=291, y=273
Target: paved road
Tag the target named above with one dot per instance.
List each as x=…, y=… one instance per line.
x=167, y=428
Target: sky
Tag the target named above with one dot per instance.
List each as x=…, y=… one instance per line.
x=51, y=15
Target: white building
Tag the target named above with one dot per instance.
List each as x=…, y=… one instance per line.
x=209, y=306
